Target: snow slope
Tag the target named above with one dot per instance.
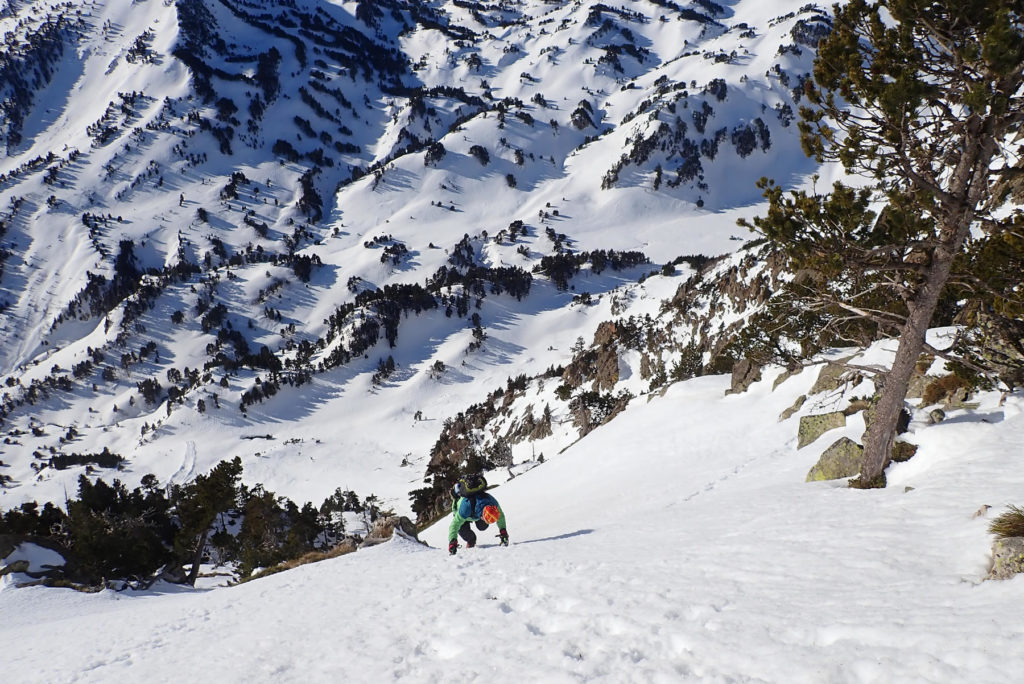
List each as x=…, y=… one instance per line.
x=677, y=543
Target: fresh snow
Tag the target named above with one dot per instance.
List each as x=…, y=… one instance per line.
x=677, y=543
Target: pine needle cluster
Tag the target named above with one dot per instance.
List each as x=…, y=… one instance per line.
x=1008, y=524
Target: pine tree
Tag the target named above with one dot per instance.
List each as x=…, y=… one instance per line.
x=198, y=504
x=116, y=533
x=264, y=532
x=921, y=98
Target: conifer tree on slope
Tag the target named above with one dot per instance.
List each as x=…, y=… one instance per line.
x=922, y=99
x=197, y=505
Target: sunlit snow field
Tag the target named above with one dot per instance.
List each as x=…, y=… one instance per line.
x=678, y=543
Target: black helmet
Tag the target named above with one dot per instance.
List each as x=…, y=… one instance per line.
x=470, y=484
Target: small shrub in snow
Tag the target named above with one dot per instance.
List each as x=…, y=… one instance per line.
x=435, y=153
x=1008, y=524
x=581, y=117
x=481, y=154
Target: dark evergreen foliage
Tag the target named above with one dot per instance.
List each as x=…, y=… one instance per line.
x=561, y=267
x=480, y=153
x=111, y=533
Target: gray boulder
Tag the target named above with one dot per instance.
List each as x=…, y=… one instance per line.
x=813, y=427
x=786, y=375
x=20, y=566
x=788, y=413
x=1007, y=558
x=902, y=451
x=842, y=459
x=918, y=382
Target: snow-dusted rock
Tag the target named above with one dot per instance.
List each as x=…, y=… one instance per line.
x=387, y=526
x=788, y=413
x=829, y=378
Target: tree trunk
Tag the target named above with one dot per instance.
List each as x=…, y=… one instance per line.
x=968, y=185
x=197, y=558
x=881, y=432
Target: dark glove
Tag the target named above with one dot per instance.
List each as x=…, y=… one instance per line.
x=503, y=537
x=453, y=545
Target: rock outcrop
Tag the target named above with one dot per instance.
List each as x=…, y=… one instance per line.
x=797, y=405
x=1007, y=558
x=386, y=527
x=813, y=427
x=842, y=459
x=744, y=374
x=829, y=378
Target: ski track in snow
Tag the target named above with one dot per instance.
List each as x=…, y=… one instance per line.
x=187, y=470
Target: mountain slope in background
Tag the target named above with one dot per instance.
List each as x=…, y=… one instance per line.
x=282, y=221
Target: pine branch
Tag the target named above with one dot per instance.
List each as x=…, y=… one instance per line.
x=963, y=361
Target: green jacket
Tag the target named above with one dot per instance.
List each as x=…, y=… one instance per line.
x=472, y=508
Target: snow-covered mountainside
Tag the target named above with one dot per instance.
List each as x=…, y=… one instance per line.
x=313, y=232
x=365, y=245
